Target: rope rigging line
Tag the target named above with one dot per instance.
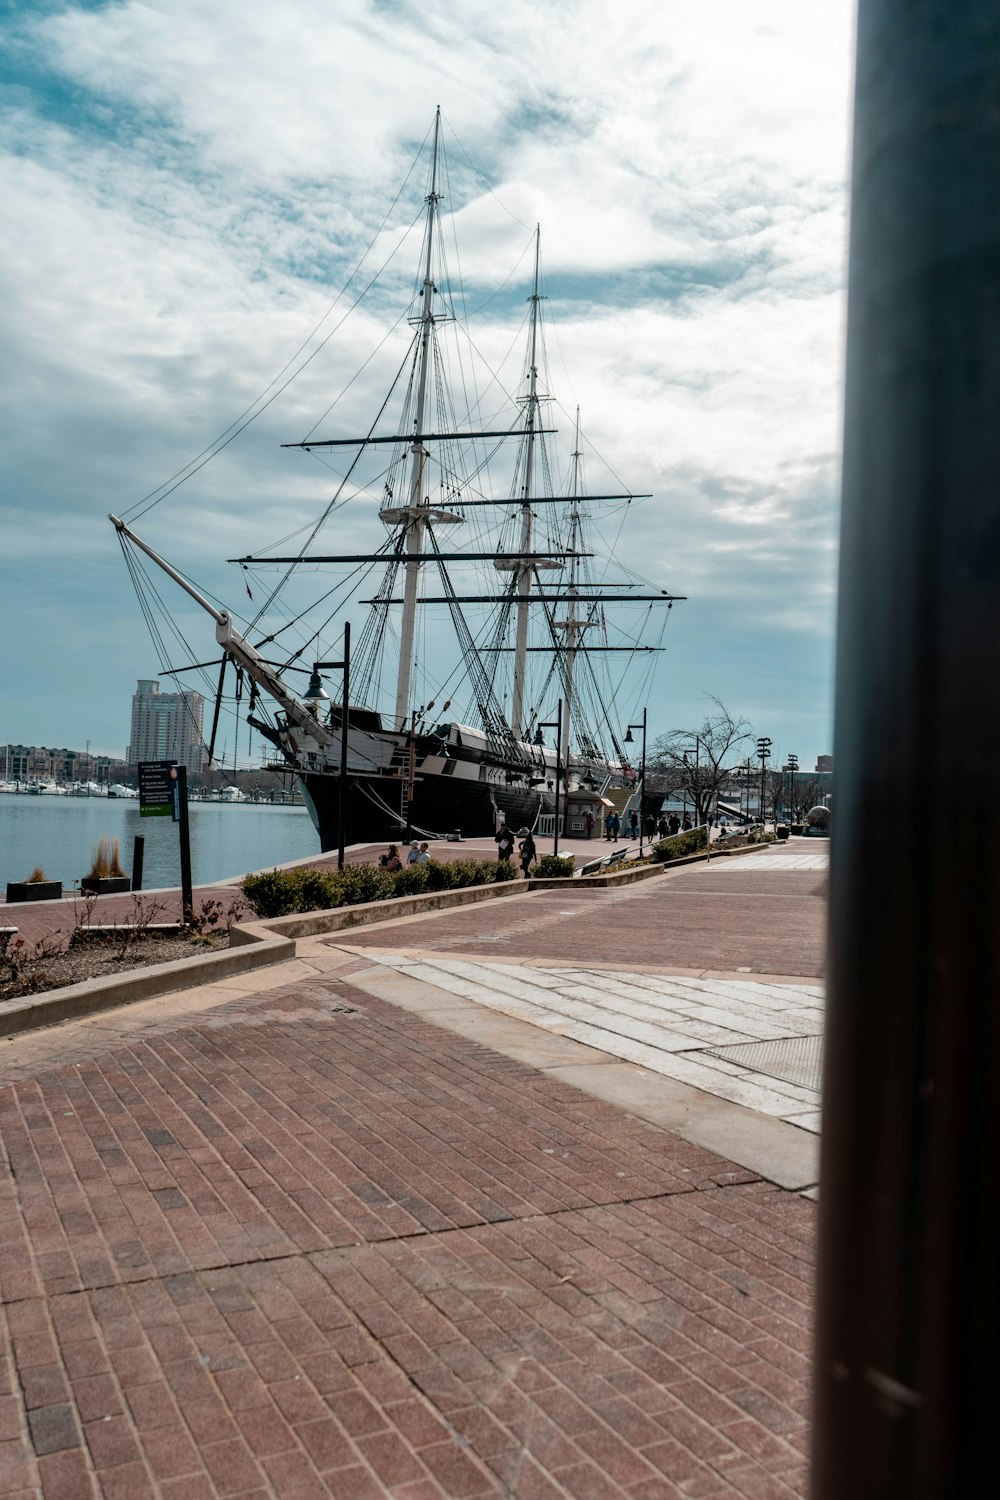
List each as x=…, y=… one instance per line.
x=250, y=415
x=146, y=591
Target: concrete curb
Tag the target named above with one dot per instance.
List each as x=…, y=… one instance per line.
x=305, y=924
x=640, y=872
x=252, y=947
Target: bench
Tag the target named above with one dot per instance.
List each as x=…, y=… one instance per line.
x=607, y=863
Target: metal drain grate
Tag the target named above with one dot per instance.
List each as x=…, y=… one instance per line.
x=794, y=1059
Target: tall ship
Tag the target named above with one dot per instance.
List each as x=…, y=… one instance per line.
x=487, y=680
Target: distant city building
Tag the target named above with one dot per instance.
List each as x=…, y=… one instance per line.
x=167, y=726
x=824, y=764
x=43, y=763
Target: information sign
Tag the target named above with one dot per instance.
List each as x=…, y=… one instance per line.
x=157, y=789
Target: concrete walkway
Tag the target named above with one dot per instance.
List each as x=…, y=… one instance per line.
x=288, y=1237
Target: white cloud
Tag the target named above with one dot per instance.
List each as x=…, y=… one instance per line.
x=200, y=179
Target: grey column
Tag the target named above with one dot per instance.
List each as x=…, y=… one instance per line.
x=907, y=1345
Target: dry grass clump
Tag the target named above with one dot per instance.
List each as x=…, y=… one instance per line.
x=106, y=864
x=37, y=877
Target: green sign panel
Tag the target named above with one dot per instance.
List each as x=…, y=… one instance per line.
x=157, y=788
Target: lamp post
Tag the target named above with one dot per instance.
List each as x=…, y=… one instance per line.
x=555, y=724
x=764, y=755
x=313, y=696
x=791, y=766
x=642, y=776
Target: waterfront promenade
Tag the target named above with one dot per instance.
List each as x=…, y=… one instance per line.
x=456, y=1205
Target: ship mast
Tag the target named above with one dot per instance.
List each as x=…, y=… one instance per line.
x=417, y=509
x=571, y=624
x=527, y=516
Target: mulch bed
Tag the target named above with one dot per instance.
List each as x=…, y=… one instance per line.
x=27, y=971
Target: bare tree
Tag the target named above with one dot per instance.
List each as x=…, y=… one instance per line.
x=700, y=763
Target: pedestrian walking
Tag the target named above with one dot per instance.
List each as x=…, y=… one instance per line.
x=687, y=825
x=634, y=824
x=423, y=855
x=411, y=858
x=590, y=824
x=526, y=849
x=616, y=827
x=674, y=823
x=504, y=840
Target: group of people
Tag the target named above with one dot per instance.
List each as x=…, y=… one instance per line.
x=662, y=827
x=417, y=854
x=526, y=852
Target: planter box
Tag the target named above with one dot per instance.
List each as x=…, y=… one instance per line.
x=109, y=885
x=34, y=890
x=782, y=830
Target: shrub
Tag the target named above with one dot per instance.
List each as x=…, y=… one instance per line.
x=411, y=880
x=274, y=893
x=37, y=877
x=680, y=844
x=555, y=866
x=279, y=893
x=439, y=875
x=105, y=864
x=317, y=890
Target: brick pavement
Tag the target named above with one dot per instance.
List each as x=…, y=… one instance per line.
x=308, y=1244
x=699, y=917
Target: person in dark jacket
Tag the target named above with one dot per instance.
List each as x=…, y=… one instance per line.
x=526, y=850
x=504, y=840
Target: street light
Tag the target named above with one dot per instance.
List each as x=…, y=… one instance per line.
x=555, y=724
x=791, y=766
x=314, y=696
x=764, y=753
x=642, y=778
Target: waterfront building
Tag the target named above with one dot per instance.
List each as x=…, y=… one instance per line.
x=167, y=726
x=45, y=763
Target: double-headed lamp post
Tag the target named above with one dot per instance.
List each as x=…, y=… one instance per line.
x=764, y=755
x=642, y=775
x=314, y=696
x=791, y=766
x=555, y=724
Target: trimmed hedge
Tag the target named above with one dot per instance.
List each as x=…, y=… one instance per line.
x=555, y=866
x=679, y=844
x=280, y=893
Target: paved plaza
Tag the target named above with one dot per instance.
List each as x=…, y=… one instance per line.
x=469, y=1204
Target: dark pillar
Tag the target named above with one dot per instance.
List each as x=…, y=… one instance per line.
x=907, y=1343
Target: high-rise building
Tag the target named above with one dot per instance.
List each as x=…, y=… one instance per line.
x=167, y=726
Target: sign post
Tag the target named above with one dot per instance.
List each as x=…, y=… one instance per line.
x=163, y=794
x=179, y=775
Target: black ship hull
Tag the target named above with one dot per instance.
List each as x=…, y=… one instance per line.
x=375, y=808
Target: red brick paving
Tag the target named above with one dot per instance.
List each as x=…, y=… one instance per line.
x=293, y=1250
x=695, y=918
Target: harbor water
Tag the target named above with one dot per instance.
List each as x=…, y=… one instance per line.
x=60, y=834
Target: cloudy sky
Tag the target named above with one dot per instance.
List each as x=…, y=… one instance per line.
x=187, y=187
